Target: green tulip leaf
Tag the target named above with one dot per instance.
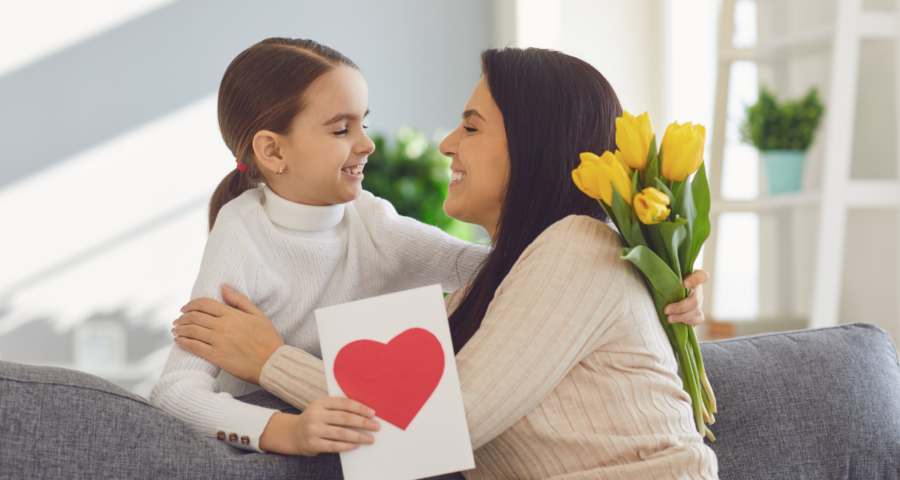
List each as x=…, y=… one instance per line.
x=662, y=279
x=702, y=226
x=674, y=234
x=624, y=215
x=684, y=208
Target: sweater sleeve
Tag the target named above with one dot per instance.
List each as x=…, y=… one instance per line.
x=551, y=310
x=419, y=254
x=187, y=387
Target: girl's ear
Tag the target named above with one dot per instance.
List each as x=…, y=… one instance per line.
x=266, y=146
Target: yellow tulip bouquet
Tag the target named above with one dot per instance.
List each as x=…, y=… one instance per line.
x=663, y=219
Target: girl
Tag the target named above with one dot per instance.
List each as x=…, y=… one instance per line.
x=292, y=113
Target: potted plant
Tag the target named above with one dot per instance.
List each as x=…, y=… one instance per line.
x=782, y=133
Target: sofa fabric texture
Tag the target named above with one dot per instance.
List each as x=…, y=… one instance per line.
x=810, y=404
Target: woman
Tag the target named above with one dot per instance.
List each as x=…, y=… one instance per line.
x=564, y=368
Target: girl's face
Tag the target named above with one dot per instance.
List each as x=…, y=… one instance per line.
x=480, y=166
x=324, y=153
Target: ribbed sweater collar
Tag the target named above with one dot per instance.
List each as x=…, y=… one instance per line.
x=297, y=216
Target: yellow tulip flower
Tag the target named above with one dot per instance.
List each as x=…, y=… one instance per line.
x=633, y=136
x=650, y=205
x=682, y=150
x=596, y=176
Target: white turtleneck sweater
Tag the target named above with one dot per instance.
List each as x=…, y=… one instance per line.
x=291, y=259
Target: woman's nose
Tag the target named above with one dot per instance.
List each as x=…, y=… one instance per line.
x=449, y=145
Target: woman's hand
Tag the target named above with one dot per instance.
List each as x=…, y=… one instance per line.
x=238, y=340
x=690, y=310
x=325, y=427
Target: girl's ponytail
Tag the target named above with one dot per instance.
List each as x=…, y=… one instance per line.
x=263, y=89
x=231, y=187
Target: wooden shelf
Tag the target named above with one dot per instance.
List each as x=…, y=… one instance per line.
x=768, y=203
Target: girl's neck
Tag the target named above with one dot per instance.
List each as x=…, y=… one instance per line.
x=297, y=216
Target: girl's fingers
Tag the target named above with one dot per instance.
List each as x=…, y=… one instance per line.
x=346, y=419
x=196, y=318
x=347, y=405
x=341, y=434
x=205, y=305
x=194, y=332
x=331, y=446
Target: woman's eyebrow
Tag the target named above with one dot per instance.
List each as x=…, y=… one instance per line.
x=470, y=113
x=344, y=116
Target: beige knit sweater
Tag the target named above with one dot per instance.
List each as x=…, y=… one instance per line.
x=570, y=375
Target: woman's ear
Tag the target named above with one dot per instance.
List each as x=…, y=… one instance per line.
x=266, y=146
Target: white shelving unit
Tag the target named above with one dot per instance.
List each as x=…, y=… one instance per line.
x=839, y=193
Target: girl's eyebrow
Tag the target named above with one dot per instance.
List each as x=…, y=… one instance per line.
x=344, y=116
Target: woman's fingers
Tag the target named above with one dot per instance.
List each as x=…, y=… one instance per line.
x=692, y=302
x=688, y=311
x=240, y=301
x=194, y=332
x=196, y=318
x=205, y=305
x=198, y=348
x=699, y=277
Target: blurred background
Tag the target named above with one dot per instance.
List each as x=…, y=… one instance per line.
x=111, y=149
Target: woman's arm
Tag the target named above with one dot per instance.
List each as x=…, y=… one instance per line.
x=527, y=350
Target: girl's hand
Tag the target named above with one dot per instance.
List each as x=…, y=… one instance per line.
x=325, y=427
x=690, y=310
x=238, y=340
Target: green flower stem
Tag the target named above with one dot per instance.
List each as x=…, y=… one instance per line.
x=701, y=370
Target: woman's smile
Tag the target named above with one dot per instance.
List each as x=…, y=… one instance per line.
x=456, y=176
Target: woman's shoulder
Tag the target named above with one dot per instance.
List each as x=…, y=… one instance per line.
x=579, y=231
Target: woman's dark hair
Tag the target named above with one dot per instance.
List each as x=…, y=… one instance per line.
x=263, y=89
x=554, y=107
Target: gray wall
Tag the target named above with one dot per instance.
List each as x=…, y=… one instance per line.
x=420, y=59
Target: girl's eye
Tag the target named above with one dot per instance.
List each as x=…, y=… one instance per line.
x=365, y=126
x=341, y=132
x=470, y=129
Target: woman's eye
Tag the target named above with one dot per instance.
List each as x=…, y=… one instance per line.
x=470, y=129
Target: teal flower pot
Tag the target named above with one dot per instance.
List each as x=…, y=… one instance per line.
x=784, y=169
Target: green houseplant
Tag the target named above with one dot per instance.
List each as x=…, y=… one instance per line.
x=782, y=133
x=413, y=176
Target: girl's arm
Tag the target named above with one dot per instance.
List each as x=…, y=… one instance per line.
x=418, y=254
x=188, y=388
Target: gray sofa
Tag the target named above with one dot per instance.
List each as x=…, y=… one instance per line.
x=812, y=404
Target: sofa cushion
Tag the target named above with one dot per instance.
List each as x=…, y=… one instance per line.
x=810, y=404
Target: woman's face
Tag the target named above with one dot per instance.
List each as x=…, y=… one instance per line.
x=324, y=152
x=480, y=166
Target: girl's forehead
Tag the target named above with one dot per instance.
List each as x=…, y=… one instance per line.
x=342, y=91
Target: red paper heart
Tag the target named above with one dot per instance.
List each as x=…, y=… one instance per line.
x=397, y=378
